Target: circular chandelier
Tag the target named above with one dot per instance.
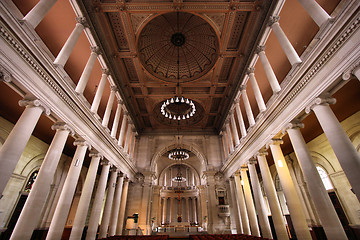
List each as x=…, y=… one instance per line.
x=179, y=179
x=178, y=155
x=178, y=108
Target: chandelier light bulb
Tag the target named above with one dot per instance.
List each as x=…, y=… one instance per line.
x=182, y=100
x=172, y=100
x=177, y=99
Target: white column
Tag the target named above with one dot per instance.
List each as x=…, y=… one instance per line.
x=270, y=192
x=194, y=209
x=259, y=201
x=240, y=118
x=316, y=12
x=69, y=45
x=246, y=101
x=122, y=129
x=187, y=210
x=63, y=206
x=228, y=133
x=292, y=199
x=104, y=226
x=133, y=143
x=241, y=205
x=127, y=139
x=37, y=13
x=234, y=129
x=98, y=201
x=250, y=203
x=258, y=96
x=30, y=214
x=235, y=207
x=285, y=44
x=327, y=214
x=84, y=78
x=124, y=194
x=274, y=84
x=164, y=210
x=116, y=205
x=356, y=72
x=226, y=148
x=344, y=150
x=84, y=202
x=116, y=120
x=108, y=109
x=172, y=213
x=99, y=91
x=15, y=143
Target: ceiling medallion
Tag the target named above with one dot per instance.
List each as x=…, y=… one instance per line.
x=178, y=155
x=178, y=108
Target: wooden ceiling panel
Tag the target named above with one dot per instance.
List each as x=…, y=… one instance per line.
x=238, y=30
x=118, y=30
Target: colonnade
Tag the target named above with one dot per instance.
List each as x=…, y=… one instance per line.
x=172, y=207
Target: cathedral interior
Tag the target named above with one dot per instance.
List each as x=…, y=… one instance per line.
x=179, y=117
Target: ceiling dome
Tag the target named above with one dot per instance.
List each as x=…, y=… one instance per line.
x=178, y=45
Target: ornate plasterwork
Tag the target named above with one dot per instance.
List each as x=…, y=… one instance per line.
x=138, y=19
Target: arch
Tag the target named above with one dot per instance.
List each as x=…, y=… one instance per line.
x=161, y=174
x=32, y=165
x=322, y=161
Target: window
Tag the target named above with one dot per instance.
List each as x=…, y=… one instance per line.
x=31, y=181
x=325, y=178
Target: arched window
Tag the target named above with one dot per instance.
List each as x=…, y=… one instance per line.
x=325, y=178
x=31, y=181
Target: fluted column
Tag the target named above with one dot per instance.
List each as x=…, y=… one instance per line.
x=84, y=202
x=119, y=228
x=248, y=110
x=274, y=84
x=30, y=214
x=240, y=118
x=344, y=150
x=234, y=203
x=69, y=45
x=122, y=129
x=292, y=198
x=116, y=119
x=104, y=226
x=15, y=143
x=270, y=192
x=324, y=207
x=241, y=205
x=37, y=13
x=63, y=206
x=116, y=205
x=99, y=91
x=258, y=96
x=98, y=201
x=259, y=201
x=234, y=129
x=316, y=12
x=109, y=105
x=80, y=87
x=228, y=133
x=285, y=44
x=250, y=204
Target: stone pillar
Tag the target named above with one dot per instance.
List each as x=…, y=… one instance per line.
x=292, y=198
x=116, y=205
x=259, y=201
x=133, y=143
x=345, y=151
x=268, y=70
x=270, y=192
x=225, y=146
x=122, y=129
x=235, y=206
x=250, y=204
x=164, y=211
x=84, y=202
x=241, y=205
x=212, y=201
x=194, y=209
x=155, y=205
x=172, y=213
x=109, y=105
x=99, y=91
x=15, y=143
x=234, y=129
x=258, y=96
x=240, y=119
x=145, y=207
x=30, y=214
x=98, y=202
x=124, y=194
x=63, y=206
x=116, y=120
x=69, y=45
x=325, y=209
x=248, y=110
x=204, y=212
x=228, y=133
x=127, y=139
x=80, y=87
x=316, y=12
x=187, y=210
x=104, y=226
x=37, y=13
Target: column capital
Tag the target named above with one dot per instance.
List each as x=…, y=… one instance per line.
x=272, y=20
x=105, y=71
x=227, y=121
x=252, y=161
x=120, y=101
x=114, y=169
x=63, y=126
x=121, y=174
x=126, y=179
x=104, y=162
x=5, y=75
x=348, y=72
x=295, y=124
x=231, y=113
x=275, y=141
x=82, y=21
x=95, y=153
x=261, y=152
x=260, y=48
x=250, y=70
x=320, y=101
x=126, y=113
x=95, y=50
x=35, y=103
x=114, y=88
x=242, y=88
x=82, y=142
x=244, y=168
x=237, y=100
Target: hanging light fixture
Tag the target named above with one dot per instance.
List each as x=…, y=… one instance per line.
x=178, y=154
